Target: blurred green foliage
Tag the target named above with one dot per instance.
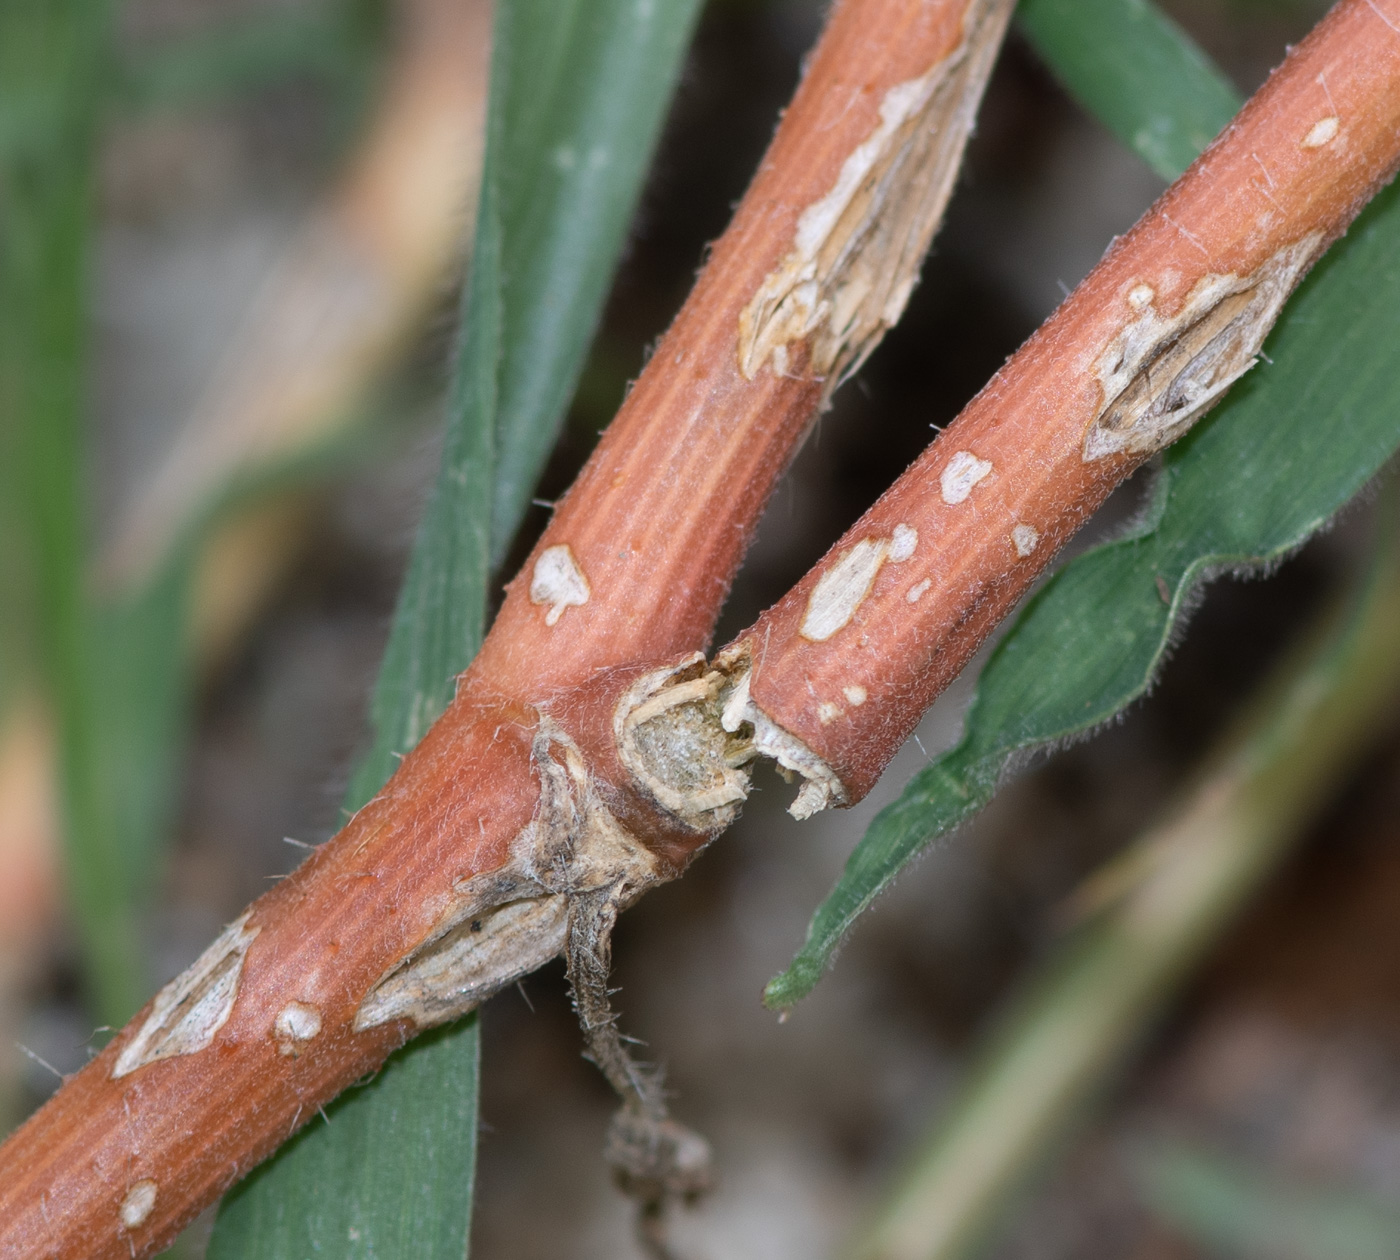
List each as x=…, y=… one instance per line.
x=1132, y=68
x=1236, y=1210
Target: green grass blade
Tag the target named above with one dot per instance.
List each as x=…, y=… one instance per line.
x=330, y=1190
x=391, y=1174
x=1296, y=439
x=1137, y=72
x=53, y=75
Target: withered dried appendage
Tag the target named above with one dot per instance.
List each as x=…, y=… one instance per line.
x=857, y=251
x=1160, y=374
x=508, y=923
x=572, y=869
x=655, y=1160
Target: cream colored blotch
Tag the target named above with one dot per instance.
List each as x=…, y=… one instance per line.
x=559, y=582
x=903, y=543
x=842, y=589
x=1322, y=132
x=297, y=1022
x=191, y=1009
x=960, y=474
x=139, y=1202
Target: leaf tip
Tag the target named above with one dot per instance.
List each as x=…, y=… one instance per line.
x=784, y=991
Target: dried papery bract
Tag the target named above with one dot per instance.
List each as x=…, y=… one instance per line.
x=1178, y=309
x=514, y=827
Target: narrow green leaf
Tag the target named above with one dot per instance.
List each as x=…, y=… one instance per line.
x=1137, y=72
x=54, y=57
x=335, y=1202
x=578, y=93
x=1295, y=440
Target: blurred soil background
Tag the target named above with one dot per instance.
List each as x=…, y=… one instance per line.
x=1284, y=1054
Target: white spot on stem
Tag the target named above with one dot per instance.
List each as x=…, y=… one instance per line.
x=902, y=543
x=828, y=712
x=855, y=693
x=1025, y=538
x=1322, y=132
x=296, y=1022
x=843, y=588
x=559, y=582
x=918, y=590
x=1140, y=296
x=137, y=1205
x=191, y=1009
x=963, y=472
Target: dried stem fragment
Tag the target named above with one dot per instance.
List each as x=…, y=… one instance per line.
x=655, y=1159
x=857, y=251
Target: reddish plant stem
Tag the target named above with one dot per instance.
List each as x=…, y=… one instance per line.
x=851, y=658
x=232, y=1058
x=632, y=570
